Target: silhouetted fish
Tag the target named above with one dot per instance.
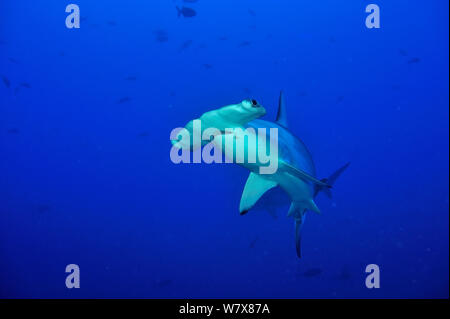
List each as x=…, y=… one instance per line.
x=163, y=283
x=6, y=81
x=414, y=60
x=43, y=208
x=344, y=274
x=252, y=13
x=244, y=44
x=402, y=52
x=190, y=1
x=313, y=272
x=186, y=12
x=131, y=78
x=186, y=44
x=124, y=100
x=12, y=60
x=161, y=36
x=339, y=99
x=253, y=243
x=111, y=23
x=25, y=85
x=143, y=134
x=208, y=66
x=302, y=93
x=223, y=38
x=13, y=131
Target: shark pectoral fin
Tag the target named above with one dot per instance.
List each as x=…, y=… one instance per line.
x=301, y=174
x=254, y=188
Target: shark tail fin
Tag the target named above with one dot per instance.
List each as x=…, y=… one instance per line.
x=298, y=212
x=330, y=181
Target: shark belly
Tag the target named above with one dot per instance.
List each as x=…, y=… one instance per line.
x=298, y=190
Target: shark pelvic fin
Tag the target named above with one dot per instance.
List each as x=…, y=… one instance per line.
x=281, y=115
x=254, y=188
x=297, y=209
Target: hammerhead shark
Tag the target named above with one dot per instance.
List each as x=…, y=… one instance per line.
x=295, y=173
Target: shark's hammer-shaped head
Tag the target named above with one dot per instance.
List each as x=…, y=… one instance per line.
x=236, y=115
x=227, y=117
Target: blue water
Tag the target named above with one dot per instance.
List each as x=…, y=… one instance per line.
x=86, y=177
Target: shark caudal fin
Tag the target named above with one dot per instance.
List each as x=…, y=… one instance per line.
x=329, y=181
x=298, y=212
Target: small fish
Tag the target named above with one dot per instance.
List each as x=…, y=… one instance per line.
x=344, y=274
x=331, y=39
x=124, y=100
x=208, y=66
x=43, y=208
x=190, y=1
x=339, y=99
x=223, y=38
x=161, y=36
x=302, y=93
x=13, y=131
x=186, y=12
x=172, y=93
x=163, y=283
x=12, y=60
x=131, y=78
x=143, y=134
x=251, y=12
x=247, y=91
x=403, y=52
x=6, y=82
x=313, y=272
x=25, y=85
x=186, y=44
x=414, y=60
x=253, y=243
x=244, y=44
x=111, y=23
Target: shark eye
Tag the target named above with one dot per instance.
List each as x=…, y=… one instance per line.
x=254, y=103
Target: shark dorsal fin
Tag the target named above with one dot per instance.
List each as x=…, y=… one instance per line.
x=281, y=115
x=255, y=187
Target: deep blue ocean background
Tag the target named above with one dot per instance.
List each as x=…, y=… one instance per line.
x=86, y=177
